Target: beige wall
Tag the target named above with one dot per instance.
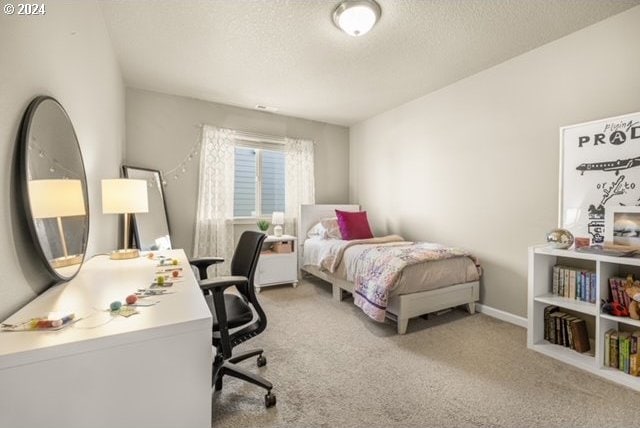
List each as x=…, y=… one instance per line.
x=41, y=56
x=476, y=163
x=161, y=129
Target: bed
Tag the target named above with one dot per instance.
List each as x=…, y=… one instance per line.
x=446, y=283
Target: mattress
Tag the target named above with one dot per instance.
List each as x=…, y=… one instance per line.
x=414, y=278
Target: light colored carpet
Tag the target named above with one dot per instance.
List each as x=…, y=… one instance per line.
x=334, y=367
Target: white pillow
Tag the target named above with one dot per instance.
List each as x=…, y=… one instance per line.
x=317, y=231
x=327, y=228
x=332, y=228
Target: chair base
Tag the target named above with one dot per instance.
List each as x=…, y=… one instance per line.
x=234, y=370
x=229, y=368
x=245, y=355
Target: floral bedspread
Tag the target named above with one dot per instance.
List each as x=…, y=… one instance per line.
x=378, y=268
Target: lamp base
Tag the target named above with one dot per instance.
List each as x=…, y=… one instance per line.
x=128, y=253
x=66, y=261
x=277, y=230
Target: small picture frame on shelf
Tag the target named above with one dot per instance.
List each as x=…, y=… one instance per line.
x=622, y=226
x=581, y=242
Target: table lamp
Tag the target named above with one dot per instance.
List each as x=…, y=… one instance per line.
x=124, y=196
x=58, y=198
x=277, y=219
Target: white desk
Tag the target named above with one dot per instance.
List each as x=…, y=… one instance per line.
x=152, y=369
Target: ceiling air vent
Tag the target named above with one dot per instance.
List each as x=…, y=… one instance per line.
x=263, y=107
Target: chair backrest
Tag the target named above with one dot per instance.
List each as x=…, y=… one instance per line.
x=244, y=263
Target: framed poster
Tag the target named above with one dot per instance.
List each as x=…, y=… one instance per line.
x=599, y=168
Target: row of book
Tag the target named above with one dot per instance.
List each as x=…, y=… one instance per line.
x=621, y=351
x=567, y=330
x=574, y=283
x=617, y=286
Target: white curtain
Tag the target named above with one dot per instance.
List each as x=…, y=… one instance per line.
x=214, y=215
x=299, y=180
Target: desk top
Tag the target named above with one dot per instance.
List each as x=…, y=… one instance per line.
x=100, y=282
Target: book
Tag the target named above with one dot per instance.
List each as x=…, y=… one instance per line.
x=607, y=347
x=579, y=285
x=554, y=327
x=613, y=286
x=566, y=330
x=587, y=287
x=623, y=350
x=621, y=292
x=566, y=283
x=547, y=322
x=557, y=317
x=556, y=279
x=594, y=283
x=572, y=284
x=634, y=364
x=613, y=352
x=568, y=320
x=580, y=335
x=635, y=336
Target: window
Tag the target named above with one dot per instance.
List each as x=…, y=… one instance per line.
x=258, y=182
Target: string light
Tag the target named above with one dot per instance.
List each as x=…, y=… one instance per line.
x=54, y=165
x=183, y=166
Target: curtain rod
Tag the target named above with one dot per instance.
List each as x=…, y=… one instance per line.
x=257, y=137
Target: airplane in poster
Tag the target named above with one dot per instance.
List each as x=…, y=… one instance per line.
x=616, y=166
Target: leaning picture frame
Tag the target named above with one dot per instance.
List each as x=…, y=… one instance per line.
x=599, y=168
x=622, y=226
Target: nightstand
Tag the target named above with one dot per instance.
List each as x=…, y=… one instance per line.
x=278, y=262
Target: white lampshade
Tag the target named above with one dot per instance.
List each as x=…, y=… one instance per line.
x=356, y=17
x=56, y=198
x=277, y=218
x=124, y=195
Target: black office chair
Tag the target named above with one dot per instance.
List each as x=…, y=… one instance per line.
x=235, y=312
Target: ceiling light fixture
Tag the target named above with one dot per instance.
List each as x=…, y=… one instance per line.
x=356, y=17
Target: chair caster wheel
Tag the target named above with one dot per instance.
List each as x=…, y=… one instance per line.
x=262, y=361
x=270, y=400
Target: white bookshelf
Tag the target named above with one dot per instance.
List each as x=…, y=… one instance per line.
x=541, y=262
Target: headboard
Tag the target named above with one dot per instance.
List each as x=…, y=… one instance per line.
x=311, y=214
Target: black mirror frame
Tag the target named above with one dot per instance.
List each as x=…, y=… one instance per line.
x=23, y=168
x=136, y=233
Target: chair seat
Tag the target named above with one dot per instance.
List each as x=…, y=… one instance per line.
x=238, y=312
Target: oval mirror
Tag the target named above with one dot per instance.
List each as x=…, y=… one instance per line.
x=54, y=187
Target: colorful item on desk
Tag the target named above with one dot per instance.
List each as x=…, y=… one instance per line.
x=50, y=322
x=165, y=284
x=131, y=299
x=142, y=292
x=162, y=260
x=127, y=311
x=115, y=306
x=142, y=301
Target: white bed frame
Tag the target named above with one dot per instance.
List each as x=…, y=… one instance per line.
x=400, y=308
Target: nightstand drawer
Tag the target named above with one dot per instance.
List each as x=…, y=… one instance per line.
x=276, y=268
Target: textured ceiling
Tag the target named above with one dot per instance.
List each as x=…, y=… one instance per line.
x=288, y=54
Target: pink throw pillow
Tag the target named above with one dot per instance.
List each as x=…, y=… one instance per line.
x=353, y=225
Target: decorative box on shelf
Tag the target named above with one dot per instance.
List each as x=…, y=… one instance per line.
x=278, y=262
x=282, y=247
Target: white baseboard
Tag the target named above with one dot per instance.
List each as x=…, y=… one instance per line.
x=502, y=315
